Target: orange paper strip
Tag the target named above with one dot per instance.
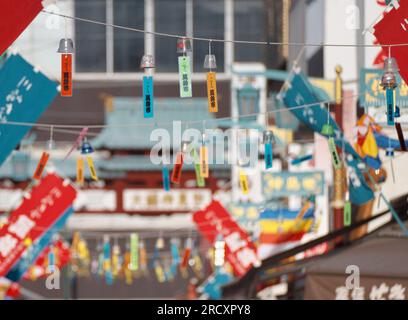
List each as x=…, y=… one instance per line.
x=66, y=75
x=41, y=165
x=176, y=174
x=80, y=171
x=212, y=92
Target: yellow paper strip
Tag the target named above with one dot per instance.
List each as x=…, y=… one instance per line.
x=243, y=181
x=212, y=92
x=204, y=170
x=80, y=171
x=92, y=168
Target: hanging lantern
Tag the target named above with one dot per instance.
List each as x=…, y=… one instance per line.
x=66, y=49
x=389, y=83
x=184, y=64
x=147, y=64
x=210, y=63
x=268, y=139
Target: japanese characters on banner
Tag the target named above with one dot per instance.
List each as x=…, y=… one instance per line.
x=159, y=199
x=37, y=213
x=25, y=93
x=240, y=252
x=15, y=17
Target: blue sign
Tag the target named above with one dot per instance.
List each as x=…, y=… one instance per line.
x=315, y=115
x=25, y=93
x=31, y=255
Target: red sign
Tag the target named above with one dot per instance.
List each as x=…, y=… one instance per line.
x=38, y=211
x=240, y=252
x=15, y=16
x=393, y=29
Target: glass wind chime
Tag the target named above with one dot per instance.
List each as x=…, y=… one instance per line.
x=268, y=140
x=389, y=84
x=184, y=65
x=66, y=49
x=147, y=64
x=44, y=158
x=86, y=150
x=210, y=64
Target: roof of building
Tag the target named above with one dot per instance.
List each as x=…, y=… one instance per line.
x=170, y=114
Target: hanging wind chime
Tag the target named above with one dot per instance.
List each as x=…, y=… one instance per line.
x=44, y=158
x=147, y=64
x=210, y=63
x=204, y=168
x=184, y=65
x=268, y=140
x=178, y=166
x=66, y=49
x=389, y=84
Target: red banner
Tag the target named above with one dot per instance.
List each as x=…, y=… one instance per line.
x=393, y=29
x=15, y=16
x=240, y=252
x=39, y=210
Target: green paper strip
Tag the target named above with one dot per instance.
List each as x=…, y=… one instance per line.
x=333, y=151
x=134, y=252
x=200, y=180
x=347, y=213
x=185, y=77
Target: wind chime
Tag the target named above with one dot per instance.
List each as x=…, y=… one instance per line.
x=210, y=63
x=184, y=65
x=66, y=49
x=44, y=158
x=147, y=64
x=86, y=150
x=389, y=84
x=204, y=168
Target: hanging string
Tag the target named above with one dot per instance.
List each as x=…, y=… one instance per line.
x=130, y=125
x=268, y=43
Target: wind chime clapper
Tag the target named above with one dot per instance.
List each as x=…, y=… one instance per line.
x=268, y=140
x=210, y=63
x=86, y=150
x=178, y=166
x=147, y=64
x=184, y=65
x=66, y=49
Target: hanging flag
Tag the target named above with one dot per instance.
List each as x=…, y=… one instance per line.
x=300, y=92
x=36, y=214
x=392, y=29
x=15, y=16
x=25, y=93
x=240, y=252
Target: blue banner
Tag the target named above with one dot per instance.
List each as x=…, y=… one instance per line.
x=25, y=93
x=300, y=92
x=31, y=255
